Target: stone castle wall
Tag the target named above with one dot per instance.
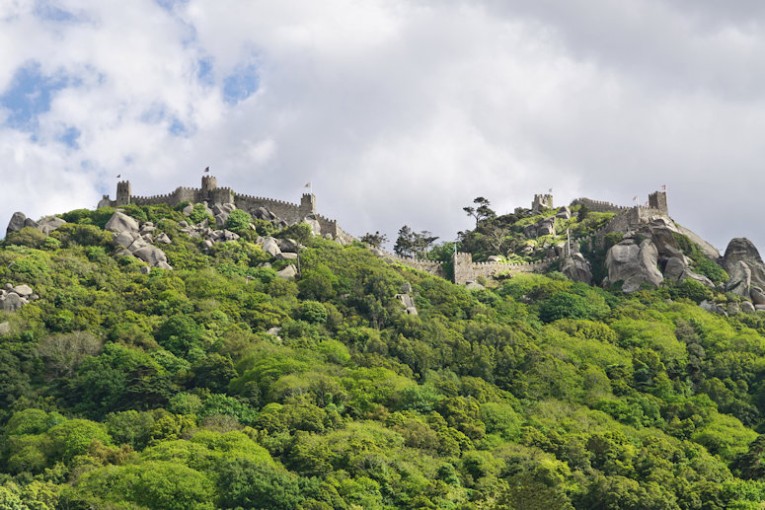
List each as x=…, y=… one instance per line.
x=599, y=206
x=212, y=194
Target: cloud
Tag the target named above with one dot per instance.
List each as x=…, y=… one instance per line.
x=399, y=112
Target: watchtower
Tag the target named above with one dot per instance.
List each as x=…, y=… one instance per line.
x=542, y=202
x=307, y=204
x=209, y=183
x=658, y=200
x=123, y=193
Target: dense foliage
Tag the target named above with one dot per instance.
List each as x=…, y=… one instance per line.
x=126, y=390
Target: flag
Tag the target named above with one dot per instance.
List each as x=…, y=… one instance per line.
x=207, y=170
x=664, y=187
x=634, y=199
x=307, y=185
x=119, y=175
x=549, y=190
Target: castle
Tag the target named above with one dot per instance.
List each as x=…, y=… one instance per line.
x=626, y=218
x=212, y=194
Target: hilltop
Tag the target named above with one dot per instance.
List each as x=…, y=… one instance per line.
x=193, y=354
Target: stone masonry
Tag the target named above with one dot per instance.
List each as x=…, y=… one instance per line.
x=212, y=194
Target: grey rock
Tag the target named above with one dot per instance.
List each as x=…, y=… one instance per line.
x=124, y=239
x=16, y=223
x=221, y=218
x=494, y=258
x=164, y=239
x=183, y=224
x=564, y=212
x=145, y=270
x=759, y=308
x=288, y=245
x=274, y=331
x=288, y=273
x=287, y=256
x=12, y=302
x=23, y=290
x=546, y=227
x=188, y=210
x=29, y=222
x=747, y=307
x=315, y=226
x=121, y=222
x=153, y=256
x=137, y=244
x=270, y=246
x=577, y=268
x=675, y=269
x=474, y=286
x=406, y=288
x=740, y=278
x=5, y=328
x=733, y=308
x=712, y=307
x=757, y=295
x=49, y=224
x=741, y=249
x=227, y=235
x=634, y=265
x=208, y=244
x=408, y=303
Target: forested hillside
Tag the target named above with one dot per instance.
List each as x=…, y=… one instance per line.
x=219, y=384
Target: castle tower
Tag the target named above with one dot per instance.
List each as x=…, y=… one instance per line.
x=463, y=268
x=658, y=200
x=123, y=193
x=209, y=183
x=307, y=204
x=542, y=202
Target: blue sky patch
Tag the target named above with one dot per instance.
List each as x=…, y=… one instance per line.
x=169, y=5
x=241, y=85
x=70, y=137
x=30, y=95
x=49, y=11
x=205, y=71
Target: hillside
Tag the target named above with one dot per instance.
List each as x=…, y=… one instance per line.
x=154, y=358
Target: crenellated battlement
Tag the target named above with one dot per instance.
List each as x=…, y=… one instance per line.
x=211, y=193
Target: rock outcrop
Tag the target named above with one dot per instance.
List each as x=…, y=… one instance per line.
x=135, y=239
x=46, y=225
x=634, y=264
x=744, y=265
x=577, y=268
x=14, y=297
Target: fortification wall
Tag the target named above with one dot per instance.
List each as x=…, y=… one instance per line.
x=285, y=210
x=465, y=270
x=429, y=266
x=598, y=205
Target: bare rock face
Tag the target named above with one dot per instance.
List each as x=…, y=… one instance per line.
x=271, y=246
x=152, y=256
x=743, y=263
x=634, y=264
x=16, y=223
x=121, y=222
x=288, y=273
x=740, y=278
x=577, y=268
x=49, y=224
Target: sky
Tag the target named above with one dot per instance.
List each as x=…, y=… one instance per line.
x=399, y=112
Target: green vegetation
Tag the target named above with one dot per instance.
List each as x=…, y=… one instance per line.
x=126, y=390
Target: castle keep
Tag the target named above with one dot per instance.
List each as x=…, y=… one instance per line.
x=212, y=194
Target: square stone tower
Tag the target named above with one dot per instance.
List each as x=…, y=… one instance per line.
x=658, y=200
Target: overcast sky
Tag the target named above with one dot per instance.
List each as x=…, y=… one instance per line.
x=398, y=112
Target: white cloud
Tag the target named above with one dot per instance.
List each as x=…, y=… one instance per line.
x=397, y=111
